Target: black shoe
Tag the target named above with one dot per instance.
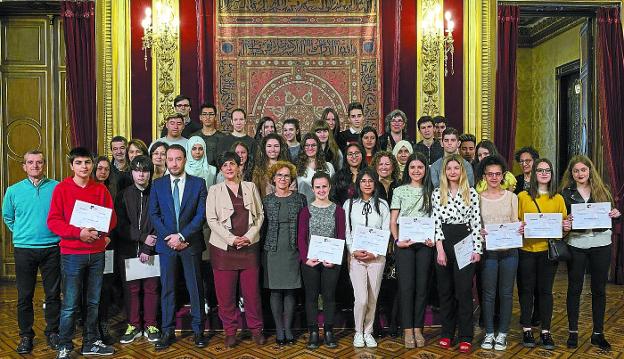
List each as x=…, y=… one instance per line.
x=53, y=341
x=600, y=341
x=527, y=339
x=313, y=341
x=290, y=341
x=165, y=341
x=393, y=331
x=547, y=341
x=200, y=340
x=330, y=340
x=97, y=348
x=572, y=341
x=25, y=345
x=280, y=342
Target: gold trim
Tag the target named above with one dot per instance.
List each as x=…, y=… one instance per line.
x=121, y=71
x=104, y=71
x=165, y=73
x=430, y=66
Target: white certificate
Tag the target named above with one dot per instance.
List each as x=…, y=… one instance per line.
x=591, y=215
x=371, y=240
x=109, y=257
x=135, y=269
x=463, y=251
x=543, y=225
x=503, y=236
x=416, y=229
x=88, y=215
x=326, y=249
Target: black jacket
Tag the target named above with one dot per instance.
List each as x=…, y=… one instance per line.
x=433, y=153
x=133, y=223
x=572, y=196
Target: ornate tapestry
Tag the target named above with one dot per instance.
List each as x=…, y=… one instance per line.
x=291, y=59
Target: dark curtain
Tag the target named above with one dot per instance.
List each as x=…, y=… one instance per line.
x=79, y=31
x=610, y=46
x=506, y=81
x=398, y=42
x=205, y=49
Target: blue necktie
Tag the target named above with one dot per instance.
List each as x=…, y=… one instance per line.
x=176, y=201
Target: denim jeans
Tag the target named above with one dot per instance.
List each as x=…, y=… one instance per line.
x=498, y=270
x=77, y=269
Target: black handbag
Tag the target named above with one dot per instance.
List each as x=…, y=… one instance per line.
x=558, y=250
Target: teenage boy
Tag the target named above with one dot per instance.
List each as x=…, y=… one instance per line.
x=356, y=122
x=175, y=125
x=209, y=132
x=467, y=146
x=182, y=105
x=239, y=122
x=25, y=209
x=82, y=253
x=137, y=238
x=428, y=146
x=450, y=143
x=440, y=126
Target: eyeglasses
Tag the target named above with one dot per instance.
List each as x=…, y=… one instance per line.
x=354, y=154
x=367, y=181
x=309, y=145
x=208, y=114
x=397, y=120
x=524, y=161
x=182, y=105
x=494, y=174
x=546, y=171
x=282, y=176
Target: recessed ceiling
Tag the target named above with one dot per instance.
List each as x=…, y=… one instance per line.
x=536, y=29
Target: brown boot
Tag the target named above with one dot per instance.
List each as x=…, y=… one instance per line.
x=408, y=336
x=230, y=341
x=418, y=336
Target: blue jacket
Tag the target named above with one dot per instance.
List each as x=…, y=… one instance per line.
x=25, y=211
x=192, y=213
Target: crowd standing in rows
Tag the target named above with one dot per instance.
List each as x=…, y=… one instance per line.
x=236, y=214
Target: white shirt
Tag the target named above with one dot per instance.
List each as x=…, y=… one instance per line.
x=180, y=185
x=304, y=183
x=376, y=220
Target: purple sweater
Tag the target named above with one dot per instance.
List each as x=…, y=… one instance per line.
x=303, y=232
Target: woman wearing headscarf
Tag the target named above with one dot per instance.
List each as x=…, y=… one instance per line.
x=401, y=151
x=196, y=163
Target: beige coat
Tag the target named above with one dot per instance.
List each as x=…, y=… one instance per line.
x=219, y=209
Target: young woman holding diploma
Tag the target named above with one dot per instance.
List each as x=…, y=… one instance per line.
x=588, y=247
x=499, y=268
x=533, y=265
x=365, y=268
x=323, y=218
x=412, y=199
x=457, y=216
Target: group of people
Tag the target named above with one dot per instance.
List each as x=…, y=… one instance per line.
x=236, y=213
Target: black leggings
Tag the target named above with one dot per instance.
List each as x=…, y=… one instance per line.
x=598, y=260
x=536, y=271
x=320, y=280
x=412, y=265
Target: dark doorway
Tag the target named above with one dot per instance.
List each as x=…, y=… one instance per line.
x=572, y=132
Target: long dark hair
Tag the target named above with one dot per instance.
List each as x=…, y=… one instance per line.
x=427, y=186
x=368, y=171
x=302, y=164
x=343, y=179
x=366, y=130
x=552, y=185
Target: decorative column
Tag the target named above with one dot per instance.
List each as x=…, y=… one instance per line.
x=430, y=84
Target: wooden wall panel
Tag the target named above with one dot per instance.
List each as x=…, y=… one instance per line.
x=33, y=113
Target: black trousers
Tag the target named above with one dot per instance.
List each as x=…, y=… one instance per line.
x=210, y=295
x=412, y=265
x=598, y=260
x=27, y=262
x=536, y=271
x=455, y=287
x=320, y=280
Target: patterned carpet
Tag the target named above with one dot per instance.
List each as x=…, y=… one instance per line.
x=388, y=347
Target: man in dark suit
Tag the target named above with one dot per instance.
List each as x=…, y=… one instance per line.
x=177, y=209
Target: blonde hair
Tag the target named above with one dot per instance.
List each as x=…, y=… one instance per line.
x=464, y=187
x=599, y=191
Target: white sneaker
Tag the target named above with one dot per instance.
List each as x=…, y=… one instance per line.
x=501, y=342
x=370, y=341
x=358, y=340
x=488, y=341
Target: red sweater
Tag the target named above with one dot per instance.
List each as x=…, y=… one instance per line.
x=63, y=199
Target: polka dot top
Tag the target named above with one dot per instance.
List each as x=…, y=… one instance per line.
x=457, y=212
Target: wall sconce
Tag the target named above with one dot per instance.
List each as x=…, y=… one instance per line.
x=436, y=37
x=161, y=36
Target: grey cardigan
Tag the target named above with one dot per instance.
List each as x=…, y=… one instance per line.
x=270, y=230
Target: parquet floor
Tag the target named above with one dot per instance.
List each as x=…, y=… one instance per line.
x=388, y=347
